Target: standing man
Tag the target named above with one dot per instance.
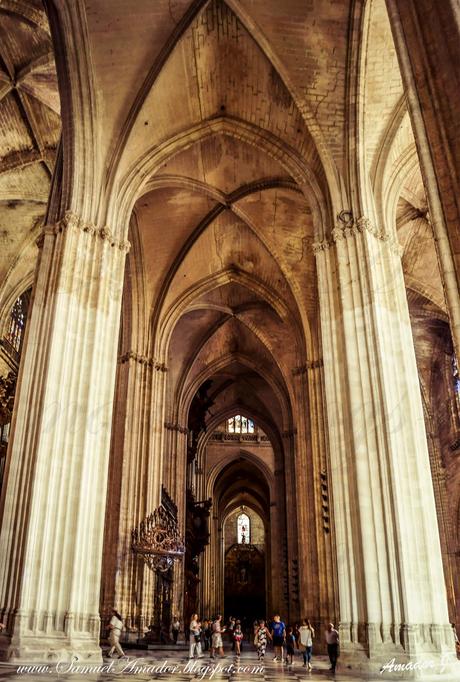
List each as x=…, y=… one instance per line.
x=332, y=639
x=175, y=629
x=278, y=633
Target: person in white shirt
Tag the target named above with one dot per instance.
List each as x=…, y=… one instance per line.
x=115, y=627
x=307, y=634
x=332, y=639
x=195, y=637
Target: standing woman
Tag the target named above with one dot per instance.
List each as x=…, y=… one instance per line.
x=260, y=639
x=195, y=637
x=307, y=634
x=115, y=627
x=217, y=630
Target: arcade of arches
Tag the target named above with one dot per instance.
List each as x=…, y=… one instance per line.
x=233, y=228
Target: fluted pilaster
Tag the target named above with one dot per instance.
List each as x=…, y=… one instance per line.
x=391, y=585
x=174, y=475
x=317, y=569
x=55, y=493
x=137, y=461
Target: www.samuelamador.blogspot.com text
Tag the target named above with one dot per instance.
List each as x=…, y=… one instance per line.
x=138, y=666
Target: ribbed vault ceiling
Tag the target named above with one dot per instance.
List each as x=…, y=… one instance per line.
x=246, y=101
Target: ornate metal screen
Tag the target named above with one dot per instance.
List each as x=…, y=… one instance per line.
x=157, y=540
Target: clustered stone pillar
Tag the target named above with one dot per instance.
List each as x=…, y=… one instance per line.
x=291, y=540
x=279, y=545
x=55, y=494
x=135, y=488
x=174, y=474
x=214, y=565
x=390, y=577
x=317, y=570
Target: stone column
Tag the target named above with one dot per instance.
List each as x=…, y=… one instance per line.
x=292, y=523
x=211, y=558
x=390, y=577
x=135, y=487
x=55, y=493
x=317, y=570
x=174, y=475
x=279, y=544
x=276, y=557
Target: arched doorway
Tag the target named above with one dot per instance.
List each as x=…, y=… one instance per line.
x=244, y=564
x=240, y=573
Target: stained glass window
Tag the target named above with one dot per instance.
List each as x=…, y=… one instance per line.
x=456, y=375
x=17, y=322
x=240, y=424
x=243, y=529
x=4, y=433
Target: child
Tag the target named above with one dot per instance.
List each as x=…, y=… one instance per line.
x=237, y=637
x=290, y=645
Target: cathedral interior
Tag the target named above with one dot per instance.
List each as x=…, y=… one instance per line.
x=230, y=321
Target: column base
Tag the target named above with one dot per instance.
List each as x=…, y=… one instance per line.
x=397, y=665
x=49, y=650
x=399, y=652
x=393, y=662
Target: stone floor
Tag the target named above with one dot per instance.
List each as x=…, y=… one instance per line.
x=174, y=666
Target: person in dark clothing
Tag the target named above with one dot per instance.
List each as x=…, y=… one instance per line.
x=332, y=639
x=290, y=646
x=278, y=634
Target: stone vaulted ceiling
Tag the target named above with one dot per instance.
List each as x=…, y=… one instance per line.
x=227, y=121
x=29, y=133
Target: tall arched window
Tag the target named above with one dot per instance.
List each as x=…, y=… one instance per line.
x=455, y=374
x=243, y=527
x=17, y=322
x=240, y=424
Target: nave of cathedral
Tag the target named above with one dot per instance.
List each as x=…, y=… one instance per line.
x=230, y=323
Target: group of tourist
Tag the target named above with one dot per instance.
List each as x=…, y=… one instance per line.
x=207, y=636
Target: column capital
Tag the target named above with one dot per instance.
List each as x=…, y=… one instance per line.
x=353, y=228
x=289, y=433
x=142, y=360
x=72, y=222
x=309, y=365
x=176, y=427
